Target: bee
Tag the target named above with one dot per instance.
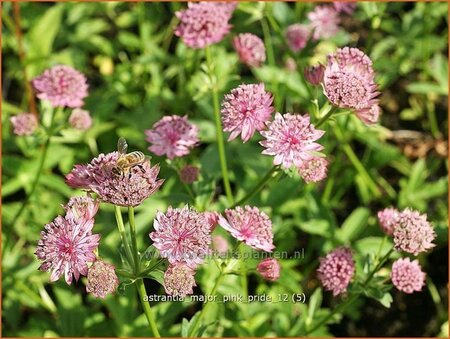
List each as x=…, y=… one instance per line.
x=126, y=160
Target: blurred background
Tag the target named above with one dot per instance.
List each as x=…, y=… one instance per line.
x=137, y=72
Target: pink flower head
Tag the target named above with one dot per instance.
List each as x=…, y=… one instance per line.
x=126, y=189
x=203, y=23
x=81, y=207
x=173, y=136
x=80, y=119
x=336, y=270
x=189, y=174
x=291, y=139
x=182, y=235
x=297, y=36
x=250, y=48
x=246, y=109
x=314, y=170
x=67, y=246
x=347, y=7
x=269, y=269
x=324, y=22
x=387, y=219
x=413, y=233
x=24, y=123
x=249, y=225
x=212, y=219
x=407, y=275
x=219, y=244
x=179, y=280
x=314, y=74
x=62, y=86
x=349, y=82
x=101, y=279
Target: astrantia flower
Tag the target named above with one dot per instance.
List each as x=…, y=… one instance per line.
x=297, y=36
x=413, y=233
x=80, y=119
x=203, y=24
x=249, y=225
x=67, y=246
x=269, y=269
x=250, y=48
x=179, y=280
x=211, y=218
x=347, y=7
x=324, y=22
x=291, y=139
x=182, y=235
x=246, y=109
x=173, y=136
x=219, y=244
x=81, y=207
x=101, y=279
x=314, y=170
x=128, y=189
x=336, y=270
x=62, y=86
x=24, y=123
x=349, y=83
x=388, y=219
x=189, y=174
x=314, y=74
x=407, y=275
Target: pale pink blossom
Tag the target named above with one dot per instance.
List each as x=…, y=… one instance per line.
x=387, y=219
x=297, y=36
x=407, y=276
x=314, y=170
x=24, y=123
x=101, y=279
x=80, y=119
x=269, y=269
x=250, y=48
x=336, y=270
x=179, y=280
x=324, y=22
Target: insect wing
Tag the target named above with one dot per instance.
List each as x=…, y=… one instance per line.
x=122, y=146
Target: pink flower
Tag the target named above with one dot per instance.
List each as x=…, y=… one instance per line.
x=189, y=174
x=81, y=207
x=347, y=7
x=203, y=23
x=67, y=246
x=62, y=86
x=387, y=219
x=24, y=123
x=249, y=225
x=173, y=136
x=101, y=279
x=182, y=235
x=80, y=119
x=211, y=218
x=413, y=233
x=407, y=276
x=250, y=48
x=179, y=280
x=349, y=82
x=219, y=244
x=314, y=170
x=314, y=74
x=297, y=36
x=336, y=270
x=291, y=139
x=246, y=109
x=269, y=269
x=129, y=189
x=324, y=22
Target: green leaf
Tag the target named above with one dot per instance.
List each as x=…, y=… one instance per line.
x=353, y=225
x=314, y=303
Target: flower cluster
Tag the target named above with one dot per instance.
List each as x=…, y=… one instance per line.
x=204, y=23
x=179, y=280
x=407, y=275
x=126, y=189
x=67, y=244
x=24, y=123
x=101, y=279
x=336, y=270
x=250, y=49
x=80, y=119
x=387, y=219
x=173, y=136
x=269, y=269
x=245, y=110
x=324, y=22
x=297, y=36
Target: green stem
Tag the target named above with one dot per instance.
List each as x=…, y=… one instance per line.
x=123, y=235
x=326, y=116
x=350, y=300
x=147, y=309
x=243, y=272
x=206, y=306
x=36, y=178
x=133, y=240
x=270, y=58
x=219, y=132
x=258, y=187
